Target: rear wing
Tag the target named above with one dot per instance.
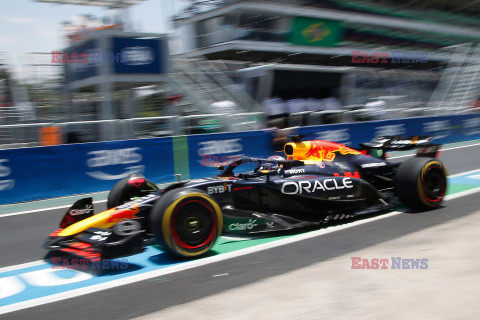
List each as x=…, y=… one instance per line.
x=379, y=146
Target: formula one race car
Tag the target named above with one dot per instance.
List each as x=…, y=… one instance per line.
x=318, y=181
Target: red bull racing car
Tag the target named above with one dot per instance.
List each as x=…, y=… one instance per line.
x=318, y=181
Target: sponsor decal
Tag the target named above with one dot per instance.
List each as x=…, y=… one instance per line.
x=100, y=235
x=374, y=165
x=78, y=212
x=123, y=214
x=211, y=150
x=355, y=174
x=219, y=189
x=394, y=263
x=390, y=130
x=243, y=226
x=308, y=187
x=5, y=171
x=294, y=171
x=107, y=158
x=126, y=227
x=327, y=151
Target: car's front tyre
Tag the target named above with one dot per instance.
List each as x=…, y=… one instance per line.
x=186, y=222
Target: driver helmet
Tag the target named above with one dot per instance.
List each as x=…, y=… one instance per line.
x=276, y=157
x=269, y=167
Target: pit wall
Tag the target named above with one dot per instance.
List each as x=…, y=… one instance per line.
x=28, y=174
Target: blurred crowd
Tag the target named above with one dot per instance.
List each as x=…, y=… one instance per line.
x=276, y=107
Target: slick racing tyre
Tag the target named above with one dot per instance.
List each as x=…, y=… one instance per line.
x=186, y=222
x=129, y=188
x=421, y=183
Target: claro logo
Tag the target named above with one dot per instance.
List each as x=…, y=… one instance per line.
x=5, y=171
x=108, y=158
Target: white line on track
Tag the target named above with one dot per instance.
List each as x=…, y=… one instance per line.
x=4, y=215
x=197, y=263
x=464, y=173
x=21, y=266
x=462, y=194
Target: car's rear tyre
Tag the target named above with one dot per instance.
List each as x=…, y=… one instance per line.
x=186, y=222
x=421, y=183
x=129, y=188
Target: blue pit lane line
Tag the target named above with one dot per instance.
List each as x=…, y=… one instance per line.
x=33, y=277
x=38, y=283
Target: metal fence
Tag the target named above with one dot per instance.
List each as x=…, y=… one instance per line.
x=357, y=113
x=28, y=135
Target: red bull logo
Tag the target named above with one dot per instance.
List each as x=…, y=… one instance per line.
x=326, y=151
x=120, y=215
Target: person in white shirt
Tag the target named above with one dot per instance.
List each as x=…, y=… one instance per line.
x=275, y=108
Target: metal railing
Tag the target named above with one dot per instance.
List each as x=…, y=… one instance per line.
x=28, y=134
x=357, y=113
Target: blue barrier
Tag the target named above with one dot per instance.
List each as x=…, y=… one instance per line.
x=44, y=172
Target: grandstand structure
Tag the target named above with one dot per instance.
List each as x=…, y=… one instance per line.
x=14, y=104
x=322, y=48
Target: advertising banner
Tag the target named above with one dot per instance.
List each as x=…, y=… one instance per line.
x=139, y=55
x=82, y=64
x=36, y=173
